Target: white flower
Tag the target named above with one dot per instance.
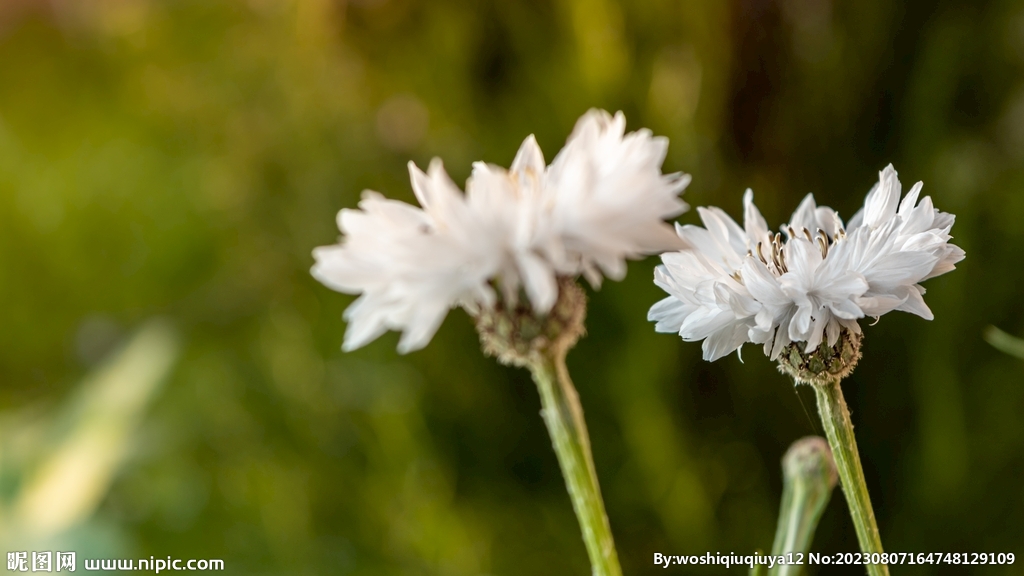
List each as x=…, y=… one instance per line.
x=738, y=285
x=602, y=200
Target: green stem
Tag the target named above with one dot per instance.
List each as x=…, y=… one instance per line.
x=839, y=429
x=563, y=416
x=809, y=475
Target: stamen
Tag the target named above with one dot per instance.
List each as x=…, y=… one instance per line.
x=778, y=253
x=760, y=255
x=807, y=233
x=823, y=242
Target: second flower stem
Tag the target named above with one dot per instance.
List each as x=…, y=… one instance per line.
x=835, y=417
x=563, y=416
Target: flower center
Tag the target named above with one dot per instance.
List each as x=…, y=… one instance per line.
x=776, y=259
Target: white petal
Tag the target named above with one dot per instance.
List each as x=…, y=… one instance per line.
x=724, y=342
x=539, y=282
x=804, y=216
x=420, y=185
x=899, y=269
x=362, y=328
x=821, y=319
x=947, y=262
x=741, y=305
x=529, y=159
x=669, y=314
x=782, y=338
x=725, y=233
x=842, y=288
x=800, y=325
x=846, y=309
x=753, y=222
x=881, y=203
x=832, y=332
x=425, y=322
x=915, y=303
x=762, y=284
x=910, y=200
x=878, y=304
x=802, y=259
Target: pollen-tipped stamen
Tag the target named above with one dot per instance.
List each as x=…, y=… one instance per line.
x=779, y=255
x=823, y=242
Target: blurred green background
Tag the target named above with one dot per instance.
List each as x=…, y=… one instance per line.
x=179, y=160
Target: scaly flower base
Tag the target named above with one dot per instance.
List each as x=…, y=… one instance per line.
x=824, y=364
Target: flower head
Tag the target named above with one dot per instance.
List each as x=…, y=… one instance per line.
x=808, y=284
x=602, y=200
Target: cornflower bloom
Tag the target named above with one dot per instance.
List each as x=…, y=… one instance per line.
x=508, y=251
x=801, y=292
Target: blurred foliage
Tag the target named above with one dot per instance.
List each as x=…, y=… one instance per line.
x=182, y=158
x=1004, y=342
x=57, y=468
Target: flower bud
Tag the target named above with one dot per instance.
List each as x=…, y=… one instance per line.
x=809, y=460
x=809, y=475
